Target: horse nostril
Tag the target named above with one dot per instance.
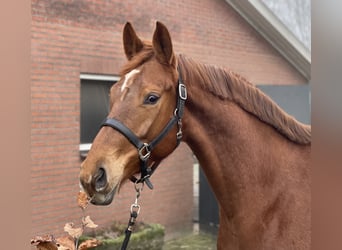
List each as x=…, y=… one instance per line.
x=100, y=180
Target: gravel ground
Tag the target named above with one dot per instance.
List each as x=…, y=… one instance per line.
x=200, y=241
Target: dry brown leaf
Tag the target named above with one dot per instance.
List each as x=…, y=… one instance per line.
x=45, y=238
x=47, y=246
x=82, y=200
x=87, y=222
x=46, y=242
x=72, y=231
x=88, y=244
x=66, y=243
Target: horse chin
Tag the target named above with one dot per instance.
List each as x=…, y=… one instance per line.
x=101, y=199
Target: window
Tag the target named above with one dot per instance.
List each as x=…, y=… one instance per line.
x=94, y=106
x=294, y=99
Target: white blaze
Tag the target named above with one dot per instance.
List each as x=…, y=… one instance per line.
x=127, y=77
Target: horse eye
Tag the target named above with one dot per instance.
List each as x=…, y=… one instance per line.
x=151, y=99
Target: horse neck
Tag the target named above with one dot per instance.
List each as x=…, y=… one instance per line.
x=230, y=146
x=209, y=132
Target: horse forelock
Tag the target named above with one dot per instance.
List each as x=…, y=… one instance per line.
x=139, y=59
x=227, y=85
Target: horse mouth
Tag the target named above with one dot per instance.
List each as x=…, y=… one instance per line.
x=102, y=199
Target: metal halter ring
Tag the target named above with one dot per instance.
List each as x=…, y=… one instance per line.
x=135, y=208
x=144, y=152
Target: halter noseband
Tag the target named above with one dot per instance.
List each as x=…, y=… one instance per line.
x=145, y=149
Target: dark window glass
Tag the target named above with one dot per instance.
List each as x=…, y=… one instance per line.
x=94, y=107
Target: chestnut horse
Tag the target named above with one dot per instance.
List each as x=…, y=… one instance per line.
x=255, y=156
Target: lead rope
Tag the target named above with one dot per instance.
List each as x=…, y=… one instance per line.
x=135, y=209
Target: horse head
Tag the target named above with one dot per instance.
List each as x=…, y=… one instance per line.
x=142, y=105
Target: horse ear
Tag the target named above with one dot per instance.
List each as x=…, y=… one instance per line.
x=131, y=42
x=162, y=45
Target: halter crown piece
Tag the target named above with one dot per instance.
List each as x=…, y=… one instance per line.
x=144, y=148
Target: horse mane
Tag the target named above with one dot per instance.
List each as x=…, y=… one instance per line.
x=228, y=85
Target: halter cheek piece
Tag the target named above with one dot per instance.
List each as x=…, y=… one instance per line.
x=144, y=148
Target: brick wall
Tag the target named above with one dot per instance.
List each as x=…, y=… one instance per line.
x=70, y=37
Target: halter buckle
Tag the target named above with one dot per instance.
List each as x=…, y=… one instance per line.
x=182, y=91
x=144, y=152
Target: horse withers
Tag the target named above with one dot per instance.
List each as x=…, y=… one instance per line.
x=254, y=155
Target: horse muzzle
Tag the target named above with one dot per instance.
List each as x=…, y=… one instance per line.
x=103, y=198
x=98, y=188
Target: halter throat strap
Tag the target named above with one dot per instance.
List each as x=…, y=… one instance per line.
x=144, y=148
